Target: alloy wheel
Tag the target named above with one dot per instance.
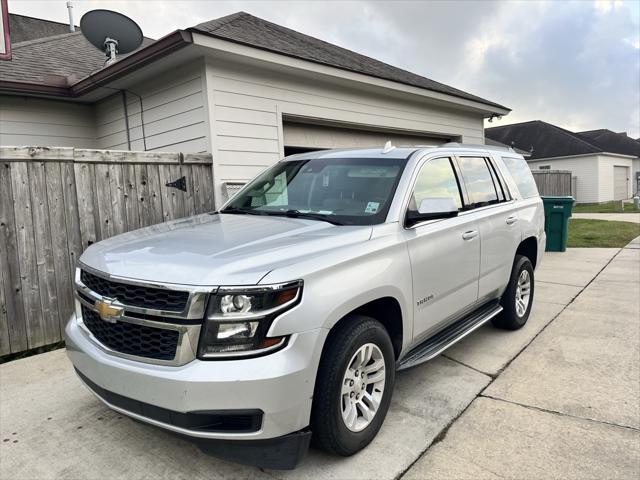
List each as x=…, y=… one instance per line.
x=362, y=387
x=523, y=293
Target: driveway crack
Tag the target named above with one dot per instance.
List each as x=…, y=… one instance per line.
x=562, y=414
x=491, y=375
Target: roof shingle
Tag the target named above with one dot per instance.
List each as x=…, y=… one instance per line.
x=57, y=60
x=547, y=141
x=63, y=59
x=246, y=29
x=25, y=28
x=613, y=142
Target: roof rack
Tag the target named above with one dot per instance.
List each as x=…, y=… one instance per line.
x=472, y=145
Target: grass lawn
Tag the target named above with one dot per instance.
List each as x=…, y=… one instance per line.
x=608, y=207
x=601, y=233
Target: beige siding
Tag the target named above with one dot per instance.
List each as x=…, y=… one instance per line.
x=606, y=169
x=323, y=136
x=51, y=123
x=585, y=168
x=172, y=109
x=248, y=105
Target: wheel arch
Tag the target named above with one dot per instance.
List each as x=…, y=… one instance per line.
x=387, y=311
x=529, y=248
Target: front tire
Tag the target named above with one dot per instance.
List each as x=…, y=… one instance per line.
x=354, y=386
x=518, y=297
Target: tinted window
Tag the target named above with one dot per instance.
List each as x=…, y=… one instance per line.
x=497, y=183
x=522, y=176
x=436, y=180
x=353, y=191
x=478, y=181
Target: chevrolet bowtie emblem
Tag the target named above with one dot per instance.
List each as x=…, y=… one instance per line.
x=107, y=310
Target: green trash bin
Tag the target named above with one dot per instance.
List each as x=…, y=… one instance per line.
x=557, y=211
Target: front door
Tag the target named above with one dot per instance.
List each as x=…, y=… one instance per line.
x=445, y=253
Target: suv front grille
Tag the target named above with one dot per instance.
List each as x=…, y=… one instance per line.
x=136, y=295
x=132, y=339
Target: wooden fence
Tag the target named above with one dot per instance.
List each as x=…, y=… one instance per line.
x=54, y=202
x=553, y=182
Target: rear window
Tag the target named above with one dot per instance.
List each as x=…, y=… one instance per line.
x=479, y=182
x=522, y=176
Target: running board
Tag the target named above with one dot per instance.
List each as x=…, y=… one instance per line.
x=455, y=332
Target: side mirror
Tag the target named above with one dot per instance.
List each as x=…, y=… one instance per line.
x=432, y=209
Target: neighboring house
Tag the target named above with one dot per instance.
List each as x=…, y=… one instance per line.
x=246, y=90
x=605, y=164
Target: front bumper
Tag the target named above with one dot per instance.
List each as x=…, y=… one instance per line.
x=279, y=385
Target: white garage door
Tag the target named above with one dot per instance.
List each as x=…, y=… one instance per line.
x=620, y=183
x=300, y=137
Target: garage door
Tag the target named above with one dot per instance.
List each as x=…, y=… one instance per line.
x=299, y=137
x=620, y=183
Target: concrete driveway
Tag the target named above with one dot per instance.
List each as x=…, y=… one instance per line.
x=618, y=217
x=559, y=398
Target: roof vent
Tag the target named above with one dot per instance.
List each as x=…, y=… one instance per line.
x=388, y=147
x=72, y=26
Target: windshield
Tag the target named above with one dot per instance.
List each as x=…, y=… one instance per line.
x=351, y=191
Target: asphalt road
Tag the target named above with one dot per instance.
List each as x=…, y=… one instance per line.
x=559, y=398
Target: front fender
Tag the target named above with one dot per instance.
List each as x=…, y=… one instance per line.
x=337, y=289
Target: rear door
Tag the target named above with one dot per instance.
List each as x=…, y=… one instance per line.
x=490, y=205
x=445, y=253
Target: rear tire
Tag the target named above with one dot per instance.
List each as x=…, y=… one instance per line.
x=349, y=409
x=518, y=297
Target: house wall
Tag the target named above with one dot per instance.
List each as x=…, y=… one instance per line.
x=585, y=168
x=51, y=123
x=172, y=108
x=247, y=105
x=595, y=177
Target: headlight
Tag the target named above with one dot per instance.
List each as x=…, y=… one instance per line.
x=238, y=319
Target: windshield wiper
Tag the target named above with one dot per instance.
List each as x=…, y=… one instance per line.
x=310, y=215
x=242, y=211
x=287, y=213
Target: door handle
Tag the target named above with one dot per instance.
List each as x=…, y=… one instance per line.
x=511, y=220
x=470, y=234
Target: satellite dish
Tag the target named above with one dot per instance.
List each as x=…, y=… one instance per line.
x=111, y=32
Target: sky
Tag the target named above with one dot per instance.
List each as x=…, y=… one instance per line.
x=575, y=64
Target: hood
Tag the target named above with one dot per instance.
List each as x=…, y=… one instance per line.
x=220, y=249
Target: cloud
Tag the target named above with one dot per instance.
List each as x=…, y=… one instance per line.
x=572, y=63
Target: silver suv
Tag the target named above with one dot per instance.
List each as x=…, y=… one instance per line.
x=288, y=312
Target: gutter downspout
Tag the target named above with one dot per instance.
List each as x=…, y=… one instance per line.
x=126, y=118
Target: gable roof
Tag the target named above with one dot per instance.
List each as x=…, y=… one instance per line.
x=24, y=28
x=545, y=140
x=246, y=29
x=58, y=60
x=57, y=64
